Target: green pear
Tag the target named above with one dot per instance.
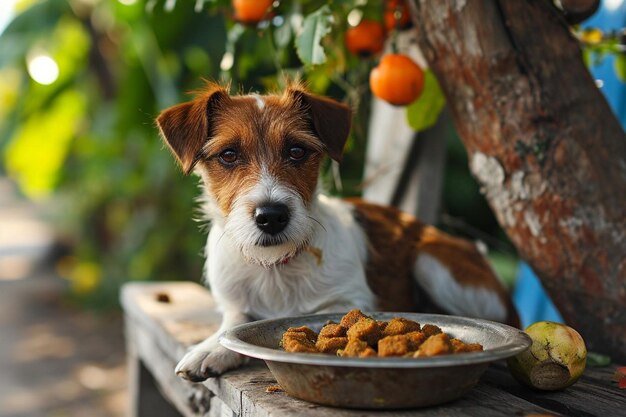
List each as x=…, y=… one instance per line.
x=555, y=360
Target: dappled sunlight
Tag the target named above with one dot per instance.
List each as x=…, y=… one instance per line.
x=14, y=267
x=24, y=240
x=43, y=69
x=41, y=343
x=56, y=361
x=71, y=394
x=97, y=377
x=35, y=156
x=18, y=235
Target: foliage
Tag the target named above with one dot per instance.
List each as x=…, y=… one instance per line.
x=424, y=112
x=88, y=145
x=597, y=45
x=308, y=44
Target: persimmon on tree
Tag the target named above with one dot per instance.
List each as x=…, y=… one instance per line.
x=365, y=39
x=545, y=146
x=396, y=15
x=397, y=80
x=251, y=11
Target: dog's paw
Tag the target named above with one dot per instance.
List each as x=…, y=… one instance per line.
x=200, y=364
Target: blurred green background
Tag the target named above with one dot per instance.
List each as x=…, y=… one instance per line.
x=81, y=82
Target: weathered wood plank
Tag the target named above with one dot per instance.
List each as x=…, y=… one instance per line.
x=187, y=317
x=593, y=395
x=191, y=400
x=220, y=409
x=161, y=331
x=244, y=390
x=158, y=332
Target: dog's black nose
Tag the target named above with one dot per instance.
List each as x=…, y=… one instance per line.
x=271, y=218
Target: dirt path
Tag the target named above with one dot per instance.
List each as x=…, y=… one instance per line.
x=55, y=360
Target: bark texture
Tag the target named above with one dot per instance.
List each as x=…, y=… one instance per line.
x=545, y=146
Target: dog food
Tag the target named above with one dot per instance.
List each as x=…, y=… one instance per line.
x=358, y=335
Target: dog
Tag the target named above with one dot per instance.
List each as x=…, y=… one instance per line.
x=278, y=247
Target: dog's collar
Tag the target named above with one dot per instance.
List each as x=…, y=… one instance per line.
x=288, y=258
x=315, y=252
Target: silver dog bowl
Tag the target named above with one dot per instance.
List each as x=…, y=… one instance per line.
x=377, y=383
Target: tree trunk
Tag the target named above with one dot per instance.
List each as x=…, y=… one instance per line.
x=545, y=146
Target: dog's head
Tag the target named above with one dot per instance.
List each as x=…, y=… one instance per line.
x=259, y=158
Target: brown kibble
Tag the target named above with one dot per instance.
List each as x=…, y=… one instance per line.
x=460, y=347
x=416, y=339
x=333, y=330
x=331, y=344
x=332, y=338
x=299, y=339
x=358, y=335
x=310, y=334
x=368, y=353
x=357, y=348
x=365, y=329
x=431, y=329
x=436, y=345
x=352, y=317
x=382, y=325
x=399, y=325
x=396, y=345
x=274, y=388
x=401, y=344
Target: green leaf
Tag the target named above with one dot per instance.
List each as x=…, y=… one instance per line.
x=282, y=34
x=424, y=112
x=597, y=359
x=36, y=155
x=315, y=27
x=620, y=66
x=587, y=57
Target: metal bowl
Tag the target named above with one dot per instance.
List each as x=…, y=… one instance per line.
x=377, y=383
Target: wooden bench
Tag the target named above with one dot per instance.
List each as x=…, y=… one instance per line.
x=163, y=319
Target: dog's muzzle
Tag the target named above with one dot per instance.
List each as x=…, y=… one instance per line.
x=271, y=218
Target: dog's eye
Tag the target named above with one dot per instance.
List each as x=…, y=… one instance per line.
x=228, y=156
x=296, y=153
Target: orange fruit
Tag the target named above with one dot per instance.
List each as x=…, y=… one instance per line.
x=365, y=39
x=388, y=15
x=251, y=11
x=397, y=80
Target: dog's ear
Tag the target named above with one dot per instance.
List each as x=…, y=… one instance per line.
x=330, y=119
x=187, y=126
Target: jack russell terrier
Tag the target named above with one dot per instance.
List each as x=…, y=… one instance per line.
x=278, y=247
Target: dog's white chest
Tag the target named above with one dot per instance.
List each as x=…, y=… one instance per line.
x=305, y=284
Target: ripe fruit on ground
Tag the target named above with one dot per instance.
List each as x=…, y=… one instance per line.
x=365, y=39
x=251, y=11
x=390, y=8
x=397, y=80
x=555, y=360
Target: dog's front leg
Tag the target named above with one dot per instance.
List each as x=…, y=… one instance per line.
x=208, y=358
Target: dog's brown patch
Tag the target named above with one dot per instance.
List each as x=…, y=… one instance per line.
x=395, y=241
x=185, y=127
x=262, y=138
x=392, y=236
x=261, y=130
x=466, y=265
